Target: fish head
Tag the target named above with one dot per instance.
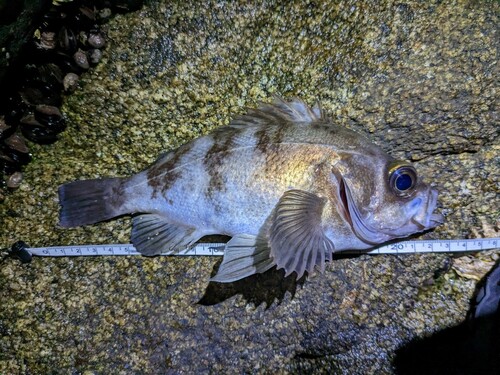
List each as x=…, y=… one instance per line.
x=383, y=198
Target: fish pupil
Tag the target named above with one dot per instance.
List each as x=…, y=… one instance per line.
x=403, y=182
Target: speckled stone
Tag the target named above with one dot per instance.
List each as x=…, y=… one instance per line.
x=418, y=76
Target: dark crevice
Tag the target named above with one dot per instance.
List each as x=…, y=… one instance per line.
x=446, y=153
x=305, y=355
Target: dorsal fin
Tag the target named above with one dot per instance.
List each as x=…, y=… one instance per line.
x=279, y=110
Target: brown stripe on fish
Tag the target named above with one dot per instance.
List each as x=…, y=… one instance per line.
x=269, y=138
x=263, y=139
x=215, y=156
x=271, y=145
x=118, y=196
x=162, y=175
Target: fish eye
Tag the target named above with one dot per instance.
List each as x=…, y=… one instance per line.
x=402, y=180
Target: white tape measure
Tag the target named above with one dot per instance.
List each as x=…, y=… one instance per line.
x=217, y=249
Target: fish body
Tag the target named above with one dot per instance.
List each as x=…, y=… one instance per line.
x=287, y=184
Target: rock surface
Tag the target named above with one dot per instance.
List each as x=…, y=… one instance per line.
x=420, y=77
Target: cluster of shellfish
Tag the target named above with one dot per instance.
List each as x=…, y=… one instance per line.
x=67, y=42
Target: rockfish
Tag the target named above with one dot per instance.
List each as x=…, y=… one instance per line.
x=283, y=180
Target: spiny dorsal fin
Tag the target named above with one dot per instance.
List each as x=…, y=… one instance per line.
x=279, y=110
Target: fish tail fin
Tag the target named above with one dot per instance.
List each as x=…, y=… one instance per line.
x=90, y=201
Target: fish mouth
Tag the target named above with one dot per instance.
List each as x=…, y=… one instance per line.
x=426, y=218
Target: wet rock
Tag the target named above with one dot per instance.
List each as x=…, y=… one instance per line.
x=417, y=76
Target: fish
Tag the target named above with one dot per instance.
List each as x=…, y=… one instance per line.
x=287, y=184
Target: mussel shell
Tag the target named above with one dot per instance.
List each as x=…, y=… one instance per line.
x=88, y=13
x=42, y=84
x=34, y=96
x=67, y=63
x=16, y=143
x=38, y=133
x=51, y=75
x=7, y=165
x=30, y=120
x=67, y=40
x=5, y=129
x=84, y=17
x=15, y=148
x=50, y=116
x=15, y=108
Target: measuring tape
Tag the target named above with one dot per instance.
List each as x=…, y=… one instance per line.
x=217, y=249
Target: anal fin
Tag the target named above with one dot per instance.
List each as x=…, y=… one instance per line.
x=244, y=255
x=152, y=234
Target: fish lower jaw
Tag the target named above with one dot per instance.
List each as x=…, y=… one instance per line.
x=431, y=221
x=436, y=219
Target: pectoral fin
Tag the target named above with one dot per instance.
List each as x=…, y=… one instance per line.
x=297, y=239
x=152, y=234
x=244, y=255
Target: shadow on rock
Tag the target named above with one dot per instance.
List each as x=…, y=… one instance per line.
x=259, y=288
x=464, y=349
x=472, y=347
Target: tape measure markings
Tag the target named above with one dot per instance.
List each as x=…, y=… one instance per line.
x=217, y=249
